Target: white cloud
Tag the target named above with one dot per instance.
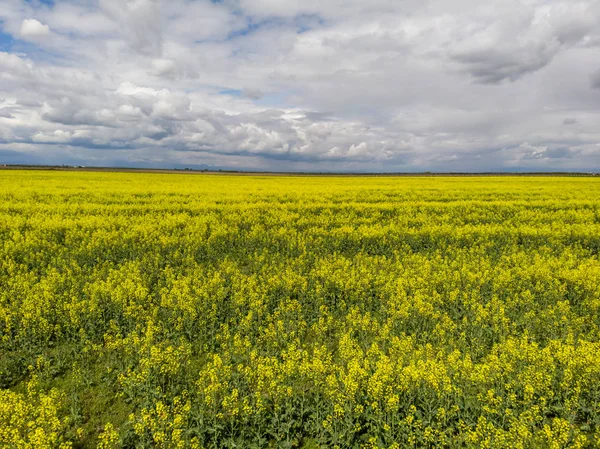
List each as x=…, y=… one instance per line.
x=34, y=29
x=164, y=67
x=129, y=112
x=58, y=136
x=14, y=67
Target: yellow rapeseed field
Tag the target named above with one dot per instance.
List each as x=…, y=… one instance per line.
x=213, y=311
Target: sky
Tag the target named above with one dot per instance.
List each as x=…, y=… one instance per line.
x=302, y=85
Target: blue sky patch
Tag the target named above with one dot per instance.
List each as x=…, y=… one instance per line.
x=307, y=22
x=252, y=26
x=6, y=42
x=49, y=3
x=232, y=92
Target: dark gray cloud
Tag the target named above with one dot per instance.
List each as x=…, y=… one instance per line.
x=595, y=79
x=493, y=66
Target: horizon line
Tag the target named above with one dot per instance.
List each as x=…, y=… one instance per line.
x=213, y=171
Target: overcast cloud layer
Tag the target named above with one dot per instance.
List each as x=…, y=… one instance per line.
x=328, y=85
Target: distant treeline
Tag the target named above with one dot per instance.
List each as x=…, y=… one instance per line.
x=280, y=173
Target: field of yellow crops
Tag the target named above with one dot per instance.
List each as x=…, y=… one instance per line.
x=176, y=311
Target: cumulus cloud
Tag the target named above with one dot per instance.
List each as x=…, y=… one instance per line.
x=58, y=136
x=303, y=85
x=33, y=28
x=14, y=67
x=518, y=40
x=164, y=67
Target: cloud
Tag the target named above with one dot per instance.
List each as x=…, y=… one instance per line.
x=32, y=28
x=520, y=40
x=14, y=67
x=58, y=136
x=164, y=67
x=595, y=79
x=548, y=152
x=253, y=94
x=311, y=85
x=140, y=22
x=489, y=65
x=128, y=112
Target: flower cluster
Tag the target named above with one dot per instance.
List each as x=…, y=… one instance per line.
x=163, y=311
